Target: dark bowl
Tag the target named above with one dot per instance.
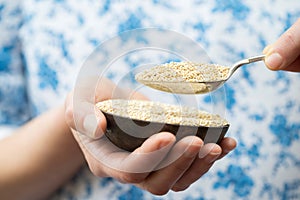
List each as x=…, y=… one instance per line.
x=129, y=134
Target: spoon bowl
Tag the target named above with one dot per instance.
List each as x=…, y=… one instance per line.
x=184, y=87
x=196, y=87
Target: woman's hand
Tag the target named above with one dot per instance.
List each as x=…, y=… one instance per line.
x=159, y=165
x=284, y=54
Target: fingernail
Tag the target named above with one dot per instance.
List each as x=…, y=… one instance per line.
x=207, y=149
x=274, y=61
x=69, y=113
x=192, y=146
x=212, y=153
x=203, y=152
x=164, y=143
x=90, y=125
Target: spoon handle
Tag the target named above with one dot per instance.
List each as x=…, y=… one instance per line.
x=256, y=58
x=244, y=62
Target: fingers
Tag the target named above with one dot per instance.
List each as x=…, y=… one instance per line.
x=156, y=142
x=284, y=53
x=85, y=118
x=82, y=114
x=135, y=167
x=160, y=182
x=105, y=159
x=207, y=155
x=295, y=66
x=147, y=157
x=142, y=167
x=227, y=145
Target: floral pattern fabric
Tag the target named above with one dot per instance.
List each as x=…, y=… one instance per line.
x=43, y=44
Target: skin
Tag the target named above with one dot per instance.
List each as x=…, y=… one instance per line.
x=284, y=54
x=178, y=175
x=38, y=158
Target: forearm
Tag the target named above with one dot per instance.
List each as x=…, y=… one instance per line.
x=38, y=158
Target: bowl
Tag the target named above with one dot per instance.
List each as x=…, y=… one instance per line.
x=129, y=132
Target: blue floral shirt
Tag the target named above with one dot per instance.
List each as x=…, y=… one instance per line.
x=43, y=44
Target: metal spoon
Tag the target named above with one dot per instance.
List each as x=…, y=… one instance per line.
x=185, y=87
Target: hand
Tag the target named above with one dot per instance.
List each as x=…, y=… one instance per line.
x=159, y=165
x=284, y=54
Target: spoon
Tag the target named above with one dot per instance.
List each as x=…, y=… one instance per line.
x=185, y=87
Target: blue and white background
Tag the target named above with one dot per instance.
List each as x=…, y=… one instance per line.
x=43, y=44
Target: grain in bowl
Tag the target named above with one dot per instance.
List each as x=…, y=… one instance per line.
x=131, y=122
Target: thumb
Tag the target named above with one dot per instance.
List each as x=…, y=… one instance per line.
x=86, y=118
x=94, y=123
x=281, y=54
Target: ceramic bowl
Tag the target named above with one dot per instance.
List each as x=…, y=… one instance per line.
x=129, y=134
